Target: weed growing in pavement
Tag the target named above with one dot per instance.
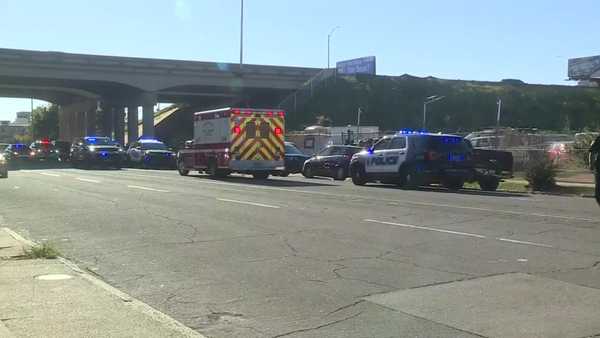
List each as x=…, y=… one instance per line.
x=44, y=250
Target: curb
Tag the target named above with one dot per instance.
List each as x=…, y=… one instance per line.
x=138, y=305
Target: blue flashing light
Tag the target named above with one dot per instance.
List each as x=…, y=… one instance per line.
x=451, y=140
x=103, y=154
x=412, y=132
x=91, y=140
x=150, y=140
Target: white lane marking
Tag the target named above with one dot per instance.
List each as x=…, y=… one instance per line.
x=50, y=174
x=426, y=228
x=508, y=212
x=89, y=180
x=16, y=187
x=248, y=203
x=410, y=226
x=523, y=242
x=146, y=188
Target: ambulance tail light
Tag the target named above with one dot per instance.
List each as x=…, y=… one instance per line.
x=237, y=130
x=280, y=114
x=278, y=131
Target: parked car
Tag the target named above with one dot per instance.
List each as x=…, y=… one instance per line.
x=3, y=146
x=333, y=161
x=3, y=166
x=151, y=153
x=43, y=150
x=101, y=151
x=294, y=159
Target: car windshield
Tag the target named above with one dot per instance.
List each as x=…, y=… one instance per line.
x=153, y=146
x=292, y=150
x=312, y=177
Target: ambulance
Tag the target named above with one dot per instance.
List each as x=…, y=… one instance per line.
x=235, y=140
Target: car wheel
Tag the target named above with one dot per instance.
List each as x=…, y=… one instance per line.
x=260, y=176
x=284, y=174
x=181, y=169
x=359, y=177
x=307, y=171
x=340, y=174
x=409, y=178
x=489, y=183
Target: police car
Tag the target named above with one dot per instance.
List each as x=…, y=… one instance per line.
x=411, y=159
x=151, y=153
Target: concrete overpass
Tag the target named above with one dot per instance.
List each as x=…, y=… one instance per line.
x=95, y=93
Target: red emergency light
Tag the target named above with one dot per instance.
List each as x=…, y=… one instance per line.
x=269, y=114
x=237, y=130
x=280, y=114
x=278, y=131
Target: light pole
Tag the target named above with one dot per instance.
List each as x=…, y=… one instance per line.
x=358, y=121
x=428, y=100
x=241, y=34
x=328, y=43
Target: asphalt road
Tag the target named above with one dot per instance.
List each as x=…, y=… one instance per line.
x=316, y=258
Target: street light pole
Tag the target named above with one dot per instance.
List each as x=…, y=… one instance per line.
x=430, y=99
x=329, y=42
x=241, y=34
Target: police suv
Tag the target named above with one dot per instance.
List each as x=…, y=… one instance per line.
x=151, y=153
x=412, y=158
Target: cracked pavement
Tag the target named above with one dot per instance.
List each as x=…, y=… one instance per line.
x=304, y=269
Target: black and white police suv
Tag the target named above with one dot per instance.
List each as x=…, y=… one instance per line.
x=151, y=153
x=411, y=159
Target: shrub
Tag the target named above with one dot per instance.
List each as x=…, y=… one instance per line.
x=541, y=174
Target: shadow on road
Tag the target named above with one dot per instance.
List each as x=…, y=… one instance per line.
x=37, y=165
x=280, y=182
x=439, y=189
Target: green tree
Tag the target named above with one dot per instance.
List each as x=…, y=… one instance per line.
x=44, y=122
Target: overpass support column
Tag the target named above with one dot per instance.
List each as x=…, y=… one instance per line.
x=107, y=120
x=148, y=102
x=118, y=117
x=132, y=123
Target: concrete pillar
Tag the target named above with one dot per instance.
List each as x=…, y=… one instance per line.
x=119, y=124
x=90, y=122
x=132, y=123
x=107, y=120
x=148, y=119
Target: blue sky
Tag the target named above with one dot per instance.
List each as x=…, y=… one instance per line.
x=461, y=39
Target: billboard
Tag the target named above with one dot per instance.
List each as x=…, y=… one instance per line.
x=583, y=68
x=365, y=65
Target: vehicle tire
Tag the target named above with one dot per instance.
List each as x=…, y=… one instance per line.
x=212, y=167
x=489, y=183
x=284, y=174
x=260, y=176
x=307, y=171
x=453, y=183
x=339, y=174
x=410, y=178
x=359, y=177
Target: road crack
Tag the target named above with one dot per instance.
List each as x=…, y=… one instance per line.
x=318, y=327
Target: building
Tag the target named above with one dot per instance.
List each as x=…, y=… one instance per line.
x=10, y=132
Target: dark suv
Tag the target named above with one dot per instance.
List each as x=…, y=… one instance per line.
x=100, y=151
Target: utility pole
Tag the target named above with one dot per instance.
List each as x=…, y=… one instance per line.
x=428, y=100
x=498, y=114
x=358, y=122
x=241, y=34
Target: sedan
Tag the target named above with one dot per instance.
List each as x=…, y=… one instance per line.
x=294, y=159
x=332, y=161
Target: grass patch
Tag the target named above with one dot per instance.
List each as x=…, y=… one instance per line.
x=45, y=250
x=507, y=186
